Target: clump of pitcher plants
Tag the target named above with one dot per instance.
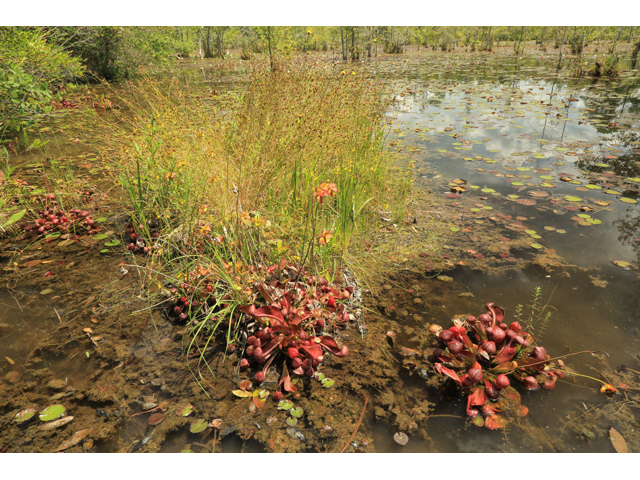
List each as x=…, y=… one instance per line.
x=484, y=355
x=52, y=218
x=290, y=315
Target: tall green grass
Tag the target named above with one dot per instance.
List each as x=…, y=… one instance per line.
x=246, y=169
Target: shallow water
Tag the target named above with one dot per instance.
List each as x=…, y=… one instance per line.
x=447, y=127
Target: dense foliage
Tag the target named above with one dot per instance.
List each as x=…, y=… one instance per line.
x=30, y=69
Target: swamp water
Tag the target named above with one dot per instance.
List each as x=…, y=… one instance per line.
x=551, y=172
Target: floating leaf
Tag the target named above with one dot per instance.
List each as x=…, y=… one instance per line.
x=25, y=415
x=291, y=421
x=612, y=192
x=319, y=376
x=623, y=264
x=112, y=243
x=571, y=198
x=198, y=426
x=52, y=412
x=55, y=423
x=242, y=393
x=536, y=245
x=296, y=412
x=285, y=405
x=101, y=219
x=104, y=250
x=618, y=441
x=454, y=229
x=74, y=440
x=560, y=230
x=401, y=438
x=549, y=229
x=100, y=236
x=155, y=419
x=526, y=201
x=46, y=291
x=628, y=200
x=328, y=383
x=187, y=450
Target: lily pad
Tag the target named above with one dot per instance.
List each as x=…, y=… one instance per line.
x=560, y=230
x=628, y=200
x=291, y=421
x=112, y=243
x=623, y=264
x=536, y=246
x=25, y=415
x=328, y=383
x=52, y=412
x=571, y=198
x=198, y=426
x=296, y=412
x=285, y=405
x=100, y=236
x=401, y=438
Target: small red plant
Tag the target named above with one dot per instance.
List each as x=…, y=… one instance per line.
x=481, y=353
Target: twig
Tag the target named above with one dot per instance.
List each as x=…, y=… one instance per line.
x=215, y=437
x=366, y=399
x=147, y=411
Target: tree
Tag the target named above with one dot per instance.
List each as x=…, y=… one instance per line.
x=30, y=69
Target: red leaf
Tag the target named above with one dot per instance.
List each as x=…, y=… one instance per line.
x=505, y=354
x=448, y=372
x=314, y=350
x=269, y=312
x=477, y=398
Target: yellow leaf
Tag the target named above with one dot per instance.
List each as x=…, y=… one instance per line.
x=10, y=361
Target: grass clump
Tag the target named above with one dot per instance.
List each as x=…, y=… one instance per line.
x=220, y=191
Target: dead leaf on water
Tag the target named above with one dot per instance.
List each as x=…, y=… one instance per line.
x=77, y=437
x=10, y=360
x=31, y=263
x=618, y=441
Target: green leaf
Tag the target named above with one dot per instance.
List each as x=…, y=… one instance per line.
x=328, y=383
x=296, y=412
x=52, y=412
x=198, y=426
x=100, y=236
x=285, y=405
x=291, y=421
x=112, y=243
x=15, y=217
x=24, y=415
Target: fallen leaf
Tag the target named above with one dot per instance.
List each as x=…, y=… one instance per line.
x=77, y=437
x=618, y=441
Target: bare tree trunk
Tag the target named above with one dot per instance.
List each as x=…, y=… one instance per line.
x=270, y=51
x=544, y=30
x=561, y=45
x=344, y=51
x=634, y=55
x=613, y=47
